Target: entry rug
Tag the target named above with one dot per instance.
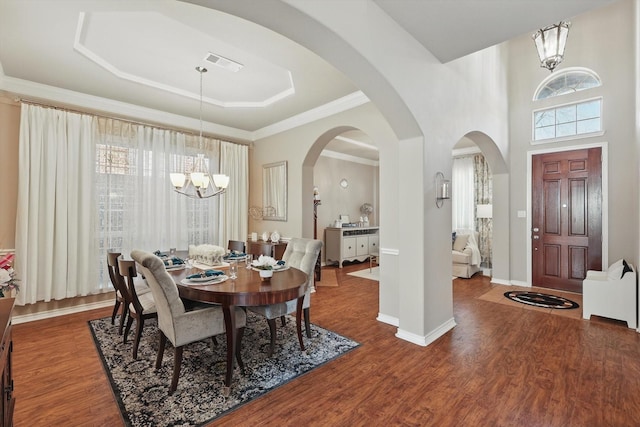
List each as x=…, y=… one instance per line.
x=374, y=274
x=541, y=300
x=142, y=392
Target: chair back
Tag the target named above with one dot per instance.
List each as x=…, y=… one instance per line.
x=302, y=254
x=261, y=249
x=114, y=273
x=236, y=245
x=128, y=271
x=164, y=290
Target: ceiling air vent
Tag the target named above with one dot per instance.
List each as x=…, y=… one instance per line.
x=223, y=62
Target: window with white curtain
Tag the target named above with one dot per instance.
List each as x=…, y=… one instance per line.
x=463, y=193
x=136, y=207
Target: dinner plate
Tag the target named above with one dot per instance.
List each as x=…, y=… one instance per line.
x=174, y=267
x=275, y=268
x=205, y=280
x=235, y=258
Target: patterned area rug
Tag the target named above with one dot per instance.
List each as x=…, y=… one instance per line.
x=541, y=300
x=142, y=392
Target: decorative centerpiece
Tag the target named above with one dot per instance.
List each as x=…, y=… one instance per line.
x=366, y=209
x=265, y=264
x=207, y=254
x=8, y=281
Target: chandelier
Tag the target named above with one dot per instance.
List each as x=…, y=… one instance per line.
x=550, y=43
x=199, y=183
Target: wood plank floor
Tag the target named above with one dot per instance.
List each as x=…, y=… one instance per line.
x=502, y=365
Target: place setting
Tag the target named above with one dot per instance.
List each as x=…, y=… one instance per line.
x=206, y=277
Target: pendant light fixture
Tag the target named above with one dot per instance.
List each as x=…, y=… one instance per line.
x=550, y=43
x=199, y=184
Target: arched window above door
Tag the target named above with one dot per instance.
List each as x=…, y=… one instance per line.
x=567, y=81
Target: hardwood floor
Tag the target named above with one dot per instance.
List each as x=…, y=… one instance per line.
x=502, y=365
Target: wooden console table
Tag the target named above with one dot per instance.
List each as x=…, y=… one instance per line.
x=7, y=403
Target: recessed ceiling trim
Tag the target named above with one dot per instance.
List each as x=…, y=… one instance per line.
x=79, y=46
x=339, y=105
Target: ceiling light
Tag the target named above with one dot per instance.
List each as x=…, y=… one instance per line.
x=550, y=43
x=196, y=183
x=223, y=62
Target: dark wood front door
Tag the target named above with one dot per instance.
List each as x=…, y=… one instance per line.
x=566, y=218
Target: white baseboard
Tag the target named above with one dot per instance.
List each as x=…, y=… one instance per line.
x=389, y=320
x=430, y=337
x=520, y=283
x=498, y=281
x=31, y=317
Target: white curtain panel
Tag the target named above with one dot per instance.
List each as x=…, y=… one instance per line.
x=234, y=162
x=55, y=251
x=137, y=205
x=462, y=189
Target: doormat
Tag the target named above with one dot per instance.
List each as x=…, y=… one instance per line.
x=541, y=300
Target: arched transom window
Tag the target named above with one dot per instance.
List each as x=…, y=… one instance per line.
x=569, y=120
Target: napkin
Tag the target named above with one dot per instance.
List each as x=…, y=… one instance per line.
x=168, y=262
x=235, y=255
x=281, y=262
x=208, y=273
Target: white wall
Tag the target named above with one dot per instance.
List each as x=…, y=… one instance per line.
x=612, y=57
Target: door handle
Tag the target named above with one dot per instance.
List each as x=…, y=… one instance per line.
x=536, y=229
x=536, y=237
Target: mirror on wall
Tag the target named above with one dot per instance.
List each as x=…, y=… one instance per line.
x=274, y=191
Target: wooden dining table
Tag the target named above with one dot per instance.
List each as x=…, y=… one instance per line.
x=248, y=289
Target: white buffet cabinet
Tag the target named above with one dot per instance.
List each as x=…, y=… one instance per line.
x=350, y=243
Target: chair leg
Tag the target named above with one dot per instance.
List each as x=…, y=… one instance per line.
x=136, y=340
x=272, y=331
x=177, y=361
x=239, y=335
x=215, y=340
x=283, y=320
x=127, y=328
x=115, y=311
x=307, y=324
x=161, y=344
x=123, y=316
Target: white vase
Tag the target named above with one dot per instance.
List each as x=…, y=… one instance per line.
x=266, y=274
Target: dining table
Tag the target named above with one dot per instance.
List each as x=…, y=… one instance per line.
x=246, y=290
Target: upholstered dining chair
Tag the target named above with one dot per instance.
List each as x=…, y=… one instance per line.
x=140, y=307
x=236, y=245
x=175, y=322
x=301, y=254
x=121, y=290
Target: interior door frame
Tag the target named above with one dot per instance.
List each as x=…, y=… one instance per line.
x=605, y=197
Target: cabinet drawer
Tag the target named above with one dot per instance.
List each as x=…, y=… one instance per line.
x=362, y=244
x=349, y=245
x=373, y=244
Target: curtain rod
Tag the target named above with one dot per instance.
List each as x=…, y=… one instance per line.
x=135, y=122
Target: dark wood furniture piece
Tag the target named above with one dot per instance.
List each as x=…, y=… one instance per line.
x=6, y=350
x=245, y=291
x=318, y=269
x=119, y=286
x=236, y=245
x=275, y=250
x=140, y=307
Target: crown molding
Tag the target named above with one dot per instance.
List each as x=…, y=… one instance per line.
x=339, y=105
x=64, y=97
x=349, y=158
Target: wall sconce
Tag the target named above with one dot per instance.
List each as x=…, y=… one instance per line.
x=443, y=189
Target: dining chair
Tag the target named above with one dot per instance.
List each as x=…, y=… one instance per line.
x=301, y=254
x=141, y=307
x=236, y=245
x=258, y=249
x=175, y=322
x=121, y=293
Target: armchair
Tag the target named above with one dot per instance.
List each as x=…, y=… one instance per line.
x=611, y=293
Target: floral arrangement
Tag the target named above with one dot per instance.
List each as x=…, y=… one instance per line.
x=264, y=263
x=366, y=209
x=207, y=254
x=8, y=281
